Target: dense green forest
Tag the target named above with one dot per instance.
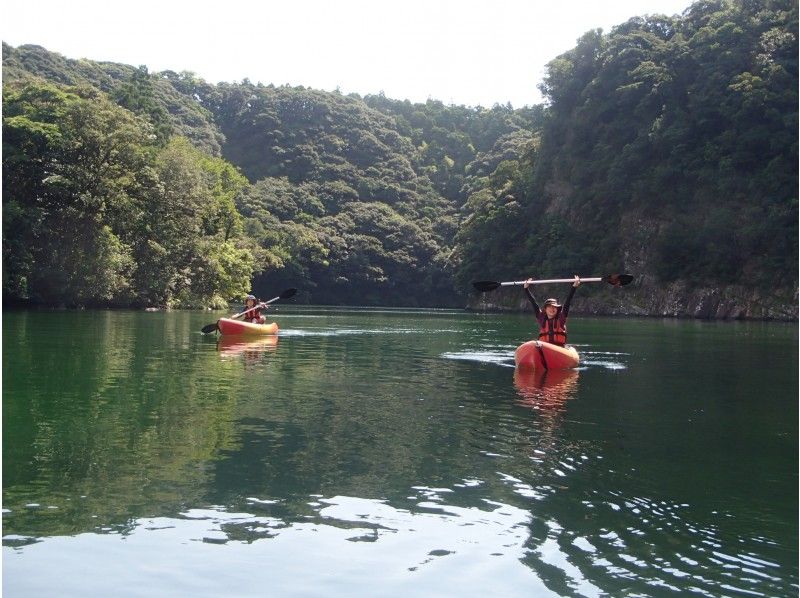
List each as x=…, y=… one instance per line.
x=666, y=147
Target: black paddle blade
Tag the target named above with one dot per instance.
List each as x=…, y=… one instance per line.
x=209, y=328
x=618, y=280
x=486, y=285
x=288, y=293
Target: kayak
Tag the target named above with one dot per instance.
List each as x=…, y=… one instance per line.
x=545, y=356
x=228, y=326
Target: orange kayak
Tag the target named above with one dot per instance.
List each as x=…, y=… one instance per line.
x=228, y=326
x=544, y=356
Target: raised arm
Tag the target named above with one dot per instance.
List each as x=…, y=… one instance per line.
x=536, y=308
x=568, y=300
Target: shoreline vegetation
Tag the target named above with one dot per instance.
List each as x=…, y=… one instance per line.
x=621, y=312
x=667, y=148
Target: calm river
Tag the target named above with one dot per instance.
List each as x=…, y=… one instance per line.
x=396, y=453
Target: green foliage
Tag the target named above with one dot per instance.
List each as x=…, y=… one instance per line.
x=137, y=95
x=685, y=126
x=321, y=164
x=95, y=215
x=190, y=236
x=172, y=100
x=68, y=180
x=671, y=139
x=376, y=256
x=317, y=159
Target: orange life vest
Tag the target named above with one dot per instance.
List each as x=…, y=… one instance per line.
x=253, y=314
x=553, y=331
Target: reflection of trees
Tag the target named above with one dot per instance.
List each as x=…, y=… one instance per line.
x=109, y=416
x=373, y=415
x=340, y=416
x=139, y=413
x=140, y=416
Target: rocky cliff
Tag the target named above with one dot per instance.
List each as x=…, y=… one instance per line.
x=645, y=297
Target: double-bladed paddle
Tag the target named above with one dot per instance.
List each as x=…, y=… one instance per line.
x=617, y=280
x=285, y=295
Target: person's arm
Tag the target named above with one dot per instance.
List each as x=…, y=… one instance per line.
x=575, y=285
x=536, y=309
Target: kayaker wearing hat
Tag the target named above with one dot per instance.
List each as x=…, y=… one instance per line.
x=553, y=318
x=253, y=313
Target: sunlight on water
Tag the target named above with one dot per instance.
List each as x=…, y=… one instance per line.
x=356, y=331
x=504, y=358
x=359, y=543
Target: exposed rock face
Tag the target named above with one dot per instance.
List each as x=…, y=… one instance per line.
x=646, y=298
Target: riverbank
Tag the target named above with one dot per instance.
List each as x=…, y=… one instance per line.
x=646, y=299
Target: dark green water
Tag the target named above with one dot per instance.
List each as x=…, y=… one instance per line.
x=396, y=453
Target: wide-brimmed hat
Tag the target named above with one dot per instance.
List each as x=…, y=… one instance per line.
x=553, y=302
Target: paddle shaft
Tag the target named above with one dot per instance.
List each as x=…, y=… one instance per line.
x=233, y=317
x=553, y=280
x=617, y=280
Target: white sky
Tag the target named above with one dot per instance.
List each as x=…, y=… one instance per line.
x=458, y=51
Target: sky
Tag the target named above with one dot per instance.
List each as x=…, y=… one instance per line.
x=464, y=52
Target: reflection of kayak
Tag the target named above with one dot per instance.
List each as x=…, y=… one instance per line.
x=228, y=326
x=545, y=388
x=545, y=356
x=526, y=379
x=234, y=345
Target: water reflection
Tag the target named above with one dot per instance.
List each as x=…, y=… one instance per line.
x=365, y=452
x=545, y=389
x=249, y=347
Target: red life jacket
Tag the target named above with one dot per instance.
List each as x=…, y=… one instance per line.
x=553, y=331
x=253, y=315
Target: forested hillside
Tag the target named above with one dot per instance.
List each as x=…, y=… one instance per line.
x=670, y=147
x=667, y=148
x=353, y=200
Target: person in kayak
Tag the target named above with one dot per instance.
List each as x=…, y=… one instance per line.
x=553, y=317
x=253, y=313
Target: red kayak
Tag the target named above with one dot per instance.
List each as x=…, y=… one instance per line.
x=545, y=356
x=228, y=326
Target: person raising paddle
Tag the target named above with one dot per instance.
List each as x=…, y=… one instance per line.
x=253, y=313
x=553, y=318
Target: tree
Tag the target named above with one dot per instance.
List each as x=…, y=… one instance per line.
x=69, y=193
